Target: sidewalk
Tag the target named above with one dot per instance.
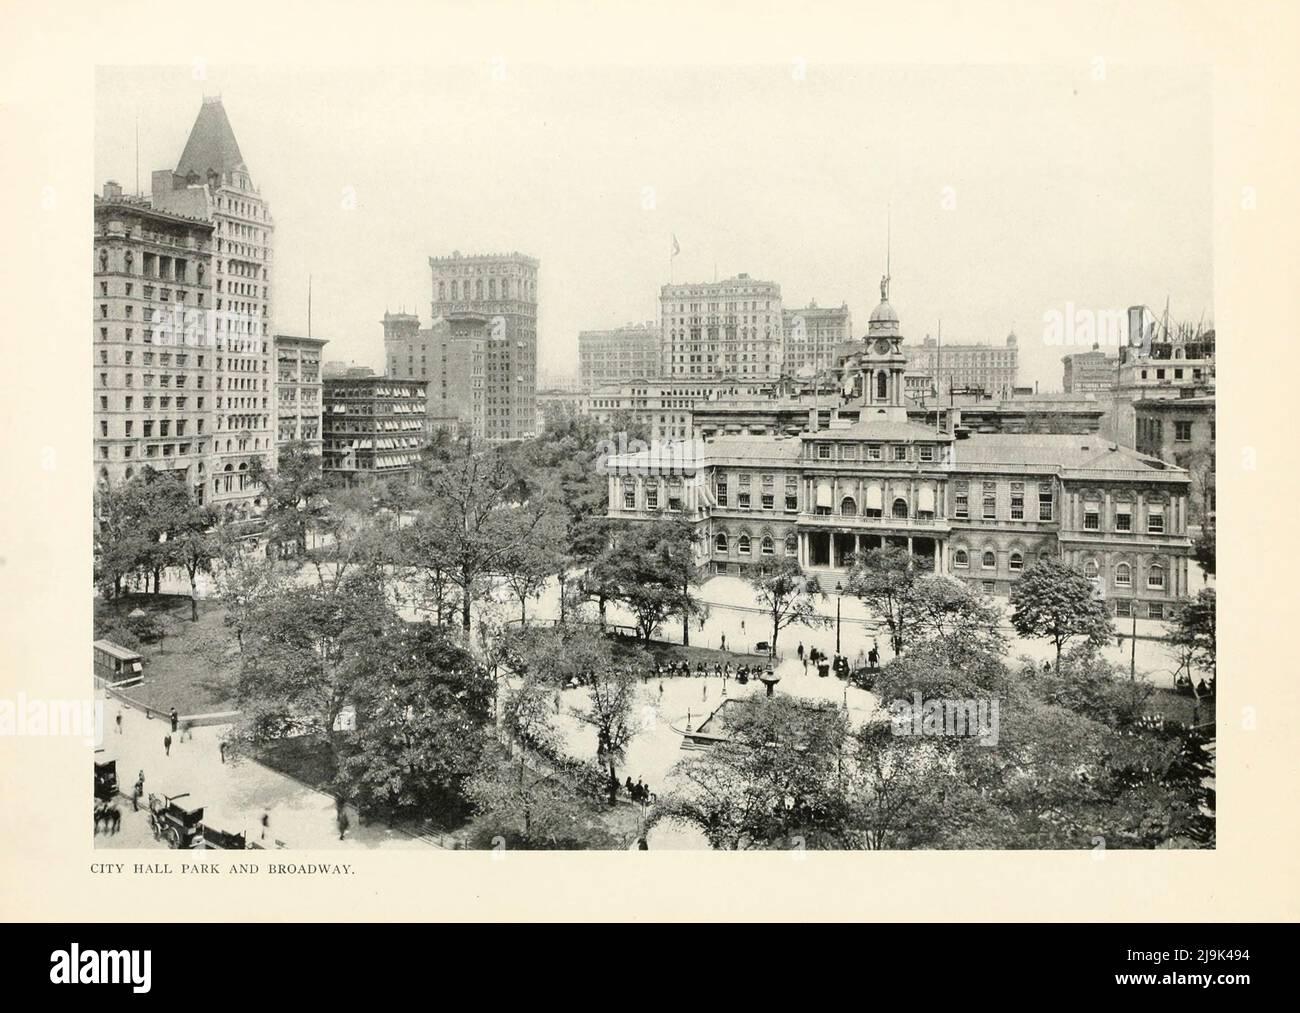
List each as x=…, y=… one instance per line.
x=234, y=795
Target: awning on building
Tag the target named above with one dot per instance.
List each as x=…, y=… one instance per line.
x=824, y=495
x=1155, y=508
x=926, y=501
x=875, y=498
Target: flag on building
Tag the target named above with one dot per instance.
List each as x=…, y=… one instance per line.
x=676, y=248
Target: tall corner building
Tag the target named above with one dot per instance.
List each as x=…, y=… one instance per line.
x=730, y=328
x=212, y=182
x=501, y=290
x=152, y=364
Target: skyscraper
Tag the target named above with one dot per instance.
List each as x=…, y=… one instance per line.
x=502, y=289
x=212, y=182
x=153, y=369
x=723, y=328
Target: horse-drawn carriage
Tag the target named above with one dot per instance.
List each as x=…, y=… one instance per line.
x=105, y=781
x=173, y=823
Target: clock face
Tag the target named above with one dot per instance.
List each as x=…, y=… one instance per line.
x=882, y=347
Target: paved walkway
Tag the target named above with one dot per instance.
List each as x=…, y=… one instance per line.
x=234, y=795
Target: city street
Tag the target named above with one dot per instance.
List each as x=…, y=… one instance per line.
x=234, y=795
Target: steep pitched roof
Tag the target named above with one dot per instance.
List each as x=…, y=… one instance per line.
x=212, y=145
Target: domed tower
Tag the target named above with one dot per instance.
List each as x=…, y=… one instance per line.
x=883, y=362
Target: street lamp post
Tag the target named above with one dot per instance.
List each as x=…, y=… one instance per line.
x=839, y=587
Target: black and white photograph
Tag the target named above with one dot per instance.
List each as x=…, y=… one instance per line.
x=841, y=479
x=576, y=463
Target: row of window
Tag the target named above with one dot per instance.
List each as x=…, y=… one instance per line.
x=744, y=544
x=926, y=453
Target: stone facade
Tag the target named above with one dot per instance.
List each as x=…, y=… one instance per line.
x=980, y=509
x=298, y=390
x=154, y=369
x=502, y=290
x=618, y=355
x=730, y=328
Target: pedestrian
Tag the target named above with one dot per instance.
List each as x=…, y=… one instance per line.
x=266, y=822
x=167, y=744
x=873, y=657
x=705, y=687
x=661, y=689
x=742, y=626
x=631, y=788
x=175, y=719
x=344, y=823
x=187, y=731
x=724, y=641
x=222, y=746
x=800, y=651
x=642, y=792
x=118, y=720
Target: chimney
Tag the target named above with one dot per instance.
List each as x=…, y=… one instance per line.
x=112, y=190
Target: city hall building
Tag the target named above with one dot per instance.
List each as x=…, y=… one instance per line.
x=981, y=509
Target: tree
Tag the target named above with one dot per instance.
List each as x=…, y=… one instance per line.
x=533, y=808
x=569, y=452
x=785, y=595
x=473, y=498
x=884, y=578
x=1195, y=631
x=307, y=650
x=776, y=781
x=245, y=580
x=294, y=494
x=942, y=606
x=194, y=546
x=1055, y=601
x=121, y=536
x=422, y=708
x=563, y=655
x=534, y=555
x=1204, y=550
x=641, y=569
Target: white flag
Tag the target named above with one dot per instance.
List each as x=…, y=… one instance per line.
x=676, y=249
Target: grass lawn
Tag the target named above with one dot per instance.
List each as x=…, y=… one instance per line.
x=194, y=667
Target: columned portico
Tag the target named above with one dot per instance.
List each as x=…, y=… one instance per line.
x=831, y=549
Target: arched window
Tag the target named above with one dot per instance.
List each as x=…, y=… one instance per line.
x=900, y=507
x=849, y=506
x=1016, y=561
x=989, y=560
x=743, y=545
x=1090, y=568
x=720, y=542
x=792, y=545
x=1156, y=577
x=1123, y=575
x=961, y=558
x=882, y=384
x=768, y=546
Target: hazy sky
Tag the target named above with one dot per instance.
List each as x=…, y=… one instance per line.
x=1013, y=191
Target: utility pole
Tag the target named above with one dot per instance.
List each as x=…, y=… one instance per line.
x=1133, y=648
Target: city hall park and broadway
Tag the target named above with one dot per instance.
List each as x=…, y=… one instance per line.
x=194, y=667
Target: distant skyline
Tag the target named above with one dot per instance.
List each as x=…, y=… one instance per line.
x=1014, y=192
